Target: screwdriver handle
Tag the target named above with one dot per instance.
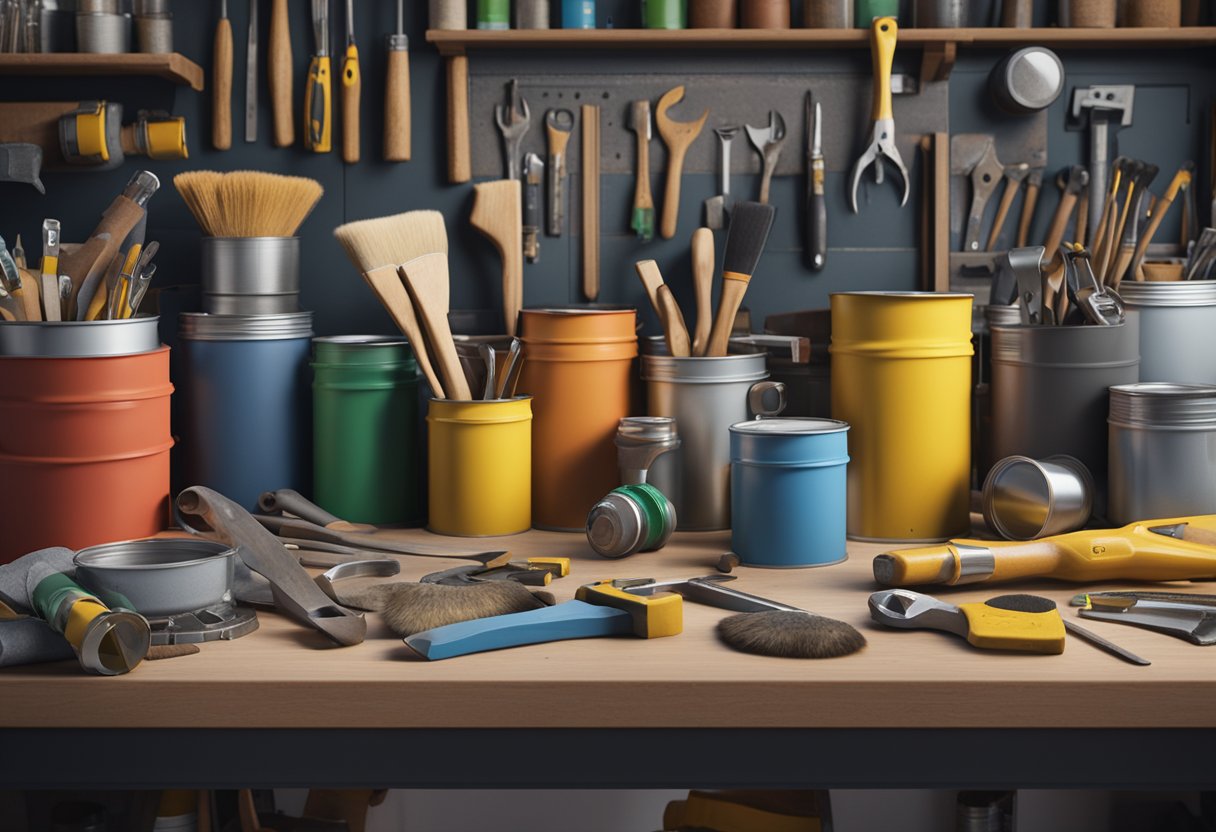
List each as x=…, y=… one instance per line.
x=352, y=86
x=280, y=73
x=317, y=118
x=221, y=86
x=397, y=102
x=817, y=219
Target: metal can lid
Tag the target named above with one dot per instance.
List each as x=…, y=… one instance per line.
x=1168, y=293
x=721, y=369
x=1163, y=404
x=1034, y=77
x=790, y=425
x=645, y=430
x=201, y=326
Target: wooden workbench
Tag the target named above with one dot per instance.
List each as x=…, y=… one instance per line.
x=268, y=694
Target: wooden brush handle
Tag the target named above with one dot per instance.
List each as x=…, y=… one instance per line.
x=652, y=281
x=352, y=87
x=734, y=287
x=674, y=328
x=703, y=284
x=591, y=200
x=426, y=278
x=641, y=191
x=387, y=285
x=221, y=86
x=671, y=194
x=460, y=165
x=397, y=107
x=279, y=74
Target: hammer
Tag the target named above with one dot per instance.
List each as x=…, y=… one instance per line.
x=1097, y=108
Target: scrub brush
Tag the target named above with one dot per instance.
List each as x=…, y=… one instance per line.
x=792, y=634
x=409, y=608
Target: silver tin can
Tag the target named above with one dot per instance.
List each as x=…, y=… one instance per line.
x=705, y=396
x=1049, y=388
x=1177, y=322
x=1162, y=448
x=251, y=275
x=154, y=33
x=1025, y=499
x=942, y=14
x=107, y=34
x=159, y=576
x=79, y=339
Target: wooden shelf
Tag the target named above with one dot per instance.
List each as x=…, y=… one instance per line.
x=170, y=66
x=458, y=41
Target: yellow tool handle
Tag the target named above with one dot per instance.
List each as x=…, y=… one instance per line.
x=317, y=121
x=993, y=628
x=51, y=304
x=654, y=616
x=882, y=47
x=397, y=107
x=221, y=87
x=279, y=72
x=352, y=85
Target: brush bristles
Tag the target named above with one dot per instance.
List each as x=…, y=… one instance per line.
x=750, y=223
x=793, y=635
x=409, y=608
x=247, y=203
x=391, y=241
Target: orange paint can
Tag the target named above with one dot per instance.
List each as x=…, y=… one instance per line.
x=578, y=369
x=84, y=452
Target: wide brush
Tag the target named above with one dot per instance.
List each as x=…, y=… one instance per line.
x=750, y=223
x=247, y=203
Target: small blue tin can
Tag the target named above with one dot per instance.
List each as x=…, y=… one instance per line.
x=788, y=486
x=578, y=14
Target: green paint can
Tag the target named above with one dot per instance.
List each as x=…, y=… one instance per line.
x=866, y=11
x=366, y=429
x=665, y=14
x=493, y=14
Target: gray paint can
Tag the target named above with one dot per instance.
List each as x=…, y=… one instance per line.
x=246, y=415
x=1177, y=322
x=1049, y=388
x=1162, y=451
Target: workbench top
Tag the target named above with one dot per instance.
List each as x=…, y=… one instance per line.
x=283, y=676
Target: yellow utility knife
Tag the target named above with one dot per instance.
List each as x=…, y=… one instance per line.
x=318, y=127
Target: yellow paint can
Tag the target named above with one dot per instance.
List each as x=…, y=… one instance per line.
x=480, y=466
x=901, y=378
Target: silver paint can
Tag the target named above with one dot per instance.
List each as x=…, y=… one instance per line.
x=1177, y=328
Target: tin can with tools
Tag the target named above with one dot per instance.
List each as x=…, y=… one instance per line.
x=85, y=446
x=245, y=413
x=250, y=275
x=480, y=466
x=1162, y=447
x=1049, y=391
x=578, y=368
x=901, y=379
x=365, y=429
x=1177, y=323
x=787, y=486
x=705, y=396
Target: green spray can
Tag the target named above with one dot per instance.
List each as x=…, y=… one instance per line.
x=366, y=429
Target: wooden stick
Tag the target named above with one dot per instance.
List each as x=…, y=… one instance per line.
x=426, y=278
x=674, y=328
x=460, y=165
x=591, y=200
x=279, y=69
x=221, y=86
x=397, y=124
x=703, y=285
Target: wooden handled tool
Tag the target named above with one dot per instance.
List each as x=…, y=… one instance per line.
x=591, y=201
x=221, y=82
x=1181, y=179
x=352, y=86
x=426, y=278
x=750, y=224
x=397, y=94
x=678, y=136
x=497, y=214
x=318, y=116
x=279, y=70
x=460, y=165
x=702, y=285
x=652, y=279
x=1034, y=184
x=674, y=328
x=1014, y=174
x=642, y=217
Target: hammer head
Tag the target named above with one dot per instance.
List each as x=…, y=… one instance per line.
x=1113, y=102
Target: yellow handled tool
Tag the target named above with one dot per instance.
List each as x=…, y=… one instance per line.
x=351, y=87
x=51, y=305
x=883, y=37
x=1004, y=623
x=318, y=125
x=1175, y=549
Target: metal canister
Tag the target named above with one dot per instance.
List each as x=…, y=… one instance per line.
x=631, y=518
x=578, y=366
x=901, y=378
x=84, y=450
x=578, y=14
x=865, y=12
x=939, y=14
x=245, y=420
x=705, y=396
x=1049, y=390
x=1162, y=447
x=1177, y=329
x=250, y=275
x=665, y=14
x=493, y=14
x=827, y=14
x=981, y=405
x=1025, y=499
x=365, y=429
x=480, y=466
x=1027, y=80
x=788, y=486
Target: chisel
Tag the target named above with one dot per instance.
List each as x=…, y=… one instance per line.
x=397, y=94
x=279, y=72
x=816, y=206
x=251, y=75
x=221, y=82
x=351, y=87
x=317, y=127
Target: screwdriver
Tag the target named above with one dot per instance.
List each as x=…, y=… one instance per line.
x=279, y=70
x=397, y=94
x=351, y=87
x=221, y=82
x=317, y=128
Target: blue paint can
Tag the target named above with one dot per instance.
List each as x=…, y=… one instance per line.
x=246, y=423
x=787, y=486
x=578, y=14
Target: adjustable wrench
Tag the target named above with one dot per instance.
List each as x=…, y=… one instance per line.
x=558, y=126
x=768, y=142
x=717, y=206
x=513, y=120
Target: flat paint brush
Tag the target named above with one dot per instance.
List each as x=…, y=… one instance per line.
x=750, y=223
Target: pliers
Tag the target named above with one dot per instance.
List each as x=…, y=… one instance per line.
x=882, y=44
